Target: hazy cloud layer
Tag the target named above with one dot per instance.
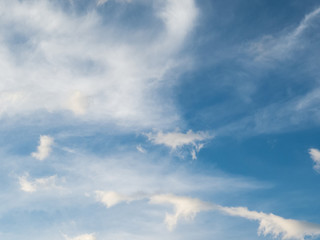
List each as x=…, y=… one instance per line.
x=75, y=62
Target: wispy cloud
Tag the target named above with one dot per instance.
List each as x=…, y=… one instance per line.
x=315, y=156
x=270, y=47
x=269, y=224
x=177, y=139
x=44, y=148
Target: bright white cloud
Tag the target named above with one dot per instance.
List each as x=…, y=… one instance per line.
x=44, y=148
x=274, y=225
x=52, y=73
x=176, y=140
x=184, y=207
x=37, y=184
x=111, y=198
x=141, y=149
x=315, y=156
x=82, y=237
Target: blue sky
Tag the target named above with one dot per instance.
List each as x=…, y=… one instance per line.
x=159, y=119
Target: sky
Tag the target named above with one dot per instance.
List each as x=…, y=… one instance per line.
x=159, y=119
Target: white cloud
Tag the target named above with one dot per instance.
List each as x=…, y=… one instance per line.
x=37, y=184
x=141, y=149
x=315, y=156
x=44, y=148
x=82, y=237
x=184, y=207
x=111, y=198
x=276, y=225
x=63, y=58
x=25, y=185
x=176, y=140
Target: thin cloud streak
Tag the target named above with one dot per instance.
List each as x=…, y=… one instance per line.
x=270, y=48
